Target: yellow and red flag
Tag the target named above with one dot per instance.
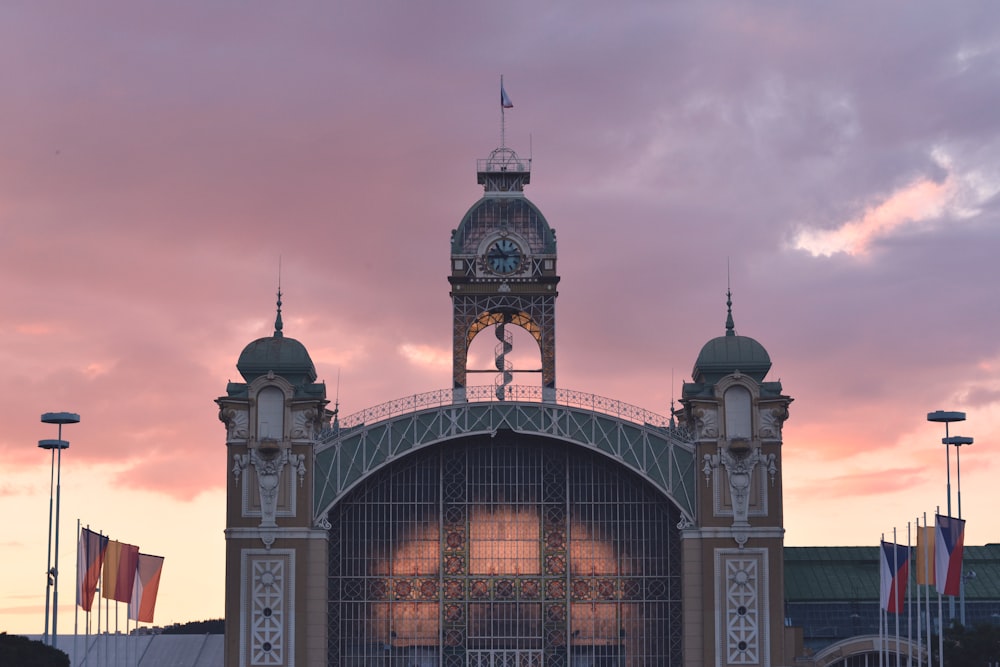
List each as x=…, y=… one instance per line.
x=120, y=563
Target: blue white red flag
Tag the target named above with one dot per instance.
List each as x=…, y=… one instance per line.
x=147, y=583
x=895, y=571
x=504, y=98
x=949, y=538
x=91, y=547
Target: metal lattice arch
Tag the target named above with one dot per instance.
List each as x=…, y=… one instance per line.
x=642, y=441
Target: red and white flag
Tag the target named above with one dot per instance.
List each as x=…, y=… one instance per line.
x=949, y=539
x=92, y=547
x=147, y=582
x=895, y=572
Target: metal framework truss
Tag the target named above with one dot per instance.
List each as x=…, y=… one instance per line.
x=640, y=440
x=535, y=313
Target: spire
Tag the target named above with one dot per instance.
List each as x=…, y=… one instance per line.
x=730, y=327
x=278, y=326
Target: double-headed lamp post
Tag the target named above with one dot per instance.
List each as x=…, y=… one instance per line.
x=947, y=418
x=52, y=570
x=958, y=441
x=948, y=440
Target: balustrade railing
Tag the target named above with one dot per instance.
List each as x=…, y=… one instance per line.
x=512, y=394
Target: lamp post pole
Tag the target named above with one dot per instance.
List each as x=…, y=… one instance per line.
x=947, y=418
x=958, y=441
x=52, y=574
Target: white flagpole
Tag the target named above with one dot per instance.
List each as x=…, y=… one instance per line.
x=76, y=607
x=881, y=609
x=895, y=589
x=927, y=591
x=503, y=120
x=940, y=607
x=100, y=590
x=909, y=594
x=920, y=642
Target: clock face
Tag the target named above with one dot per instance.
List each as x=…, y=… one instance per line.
x=504, y=256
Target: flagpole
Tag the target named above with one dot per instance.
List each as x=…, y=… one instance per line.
x=940, y=607
x=86, y=628
x=99, y=589
x=909, y=595
x=503, y=119
x=920, y=543
x=895, y=589
x=927, y=590
x=881, y=607
x=76, y=607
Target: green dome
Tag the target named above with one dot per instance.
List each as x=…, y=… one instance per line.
x=727, y=354
x=516, y=214
x=287, y=357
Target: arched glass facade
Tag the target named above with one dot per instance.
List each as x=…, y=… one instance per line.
x=510, y=551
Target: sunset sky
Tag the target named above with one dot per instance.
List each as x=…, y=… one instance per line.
x=158, y=160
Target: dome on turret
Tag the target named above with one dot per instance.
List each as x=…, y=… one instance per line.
x=279, y=354
x=727, y=354
x=504, y=207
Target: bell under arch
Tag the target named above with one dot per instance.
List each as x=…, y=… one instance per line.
x=506, y=549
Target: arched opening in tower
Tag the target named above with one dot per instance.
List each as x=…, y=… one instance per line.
x=505, y=352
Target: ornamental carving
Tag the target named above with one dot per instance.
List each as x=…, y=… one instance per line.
x=269, y=464
x=739, y=465
x=237, y=423
x=771, y=421
x=308, y=423
x=706, y=423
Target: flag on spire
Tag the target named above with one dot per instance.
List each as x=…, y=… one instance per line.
x=505, y=102
x=91, y=547
x=147, y=582
x=948, y=543
x=895, y=572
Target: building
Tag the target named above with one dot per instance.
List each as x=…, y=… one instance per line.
x=832, y=595
x=506, y=524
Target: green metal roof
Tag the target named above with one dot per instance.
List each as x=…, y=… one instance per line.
x=826, y=574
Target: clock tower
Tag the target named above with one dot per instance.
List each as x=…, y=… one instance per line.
x=503, y=272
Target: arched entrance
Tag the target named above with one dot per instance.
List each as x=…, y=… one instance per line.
x=505, y=549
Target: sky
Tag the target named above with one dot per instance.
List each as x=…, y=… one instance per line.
x=835, y=164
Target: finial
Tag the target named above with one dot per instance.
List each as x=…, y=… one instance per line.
x=278, y=326
x=336, y=407
x=673, y=424
x=730, y=326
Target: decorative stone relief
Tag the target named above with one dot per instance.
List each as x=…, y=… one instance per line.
x=743, y=636
x=237, y=423
x=307, y=423
x=739, y=467
x=706, y=423
x=771, y=421
x=268, y=464
x=268, y=600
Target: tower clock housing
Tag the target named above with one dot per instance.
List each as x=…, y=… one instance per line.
x=503, y=271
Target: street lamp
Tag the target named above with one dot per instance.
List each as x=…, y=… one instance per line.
x=947, y=418
x=52, y=571
x=958, y=441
